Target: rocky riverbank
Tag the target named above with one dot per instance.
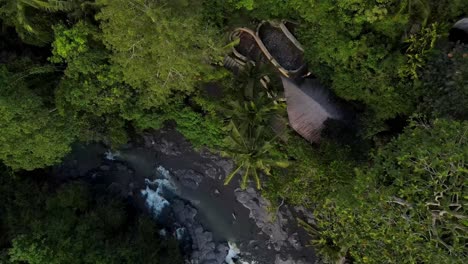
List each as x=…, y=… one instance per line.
x=183, y=189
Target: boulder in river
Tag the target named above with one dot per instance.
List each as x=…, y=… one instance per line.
x=189, y=178
x=263, y=218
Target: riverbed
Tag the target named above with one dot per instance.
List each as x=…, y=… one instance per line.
x=161, y=170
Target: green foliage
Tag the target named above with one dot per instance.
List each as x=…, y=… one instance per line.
x=367, y=51
x=92, y=89
x=443, y=85
x=75, y=225
x=32, y=135
x=352, y=44
x=420, y=46
x=90, y=83
x=250, y=114
x=315, y=172
x=198, y=129
x=409, y=204
x=202, y=130
x=425, y=173
x=162, y=50
x=138, y=64
x=252, y=153
x=264, y=9
x=250, y=139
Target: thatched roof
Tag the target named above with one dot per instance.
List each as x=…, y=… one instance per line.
x=309, y=106
x=459, y=31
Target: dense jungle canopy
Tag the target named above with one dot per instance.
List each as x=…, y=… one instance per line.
x=388, y=187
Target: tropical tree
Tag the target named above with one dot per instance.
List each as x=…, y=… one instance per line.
x=409, y=206
x=92, y=89
x=75, y=224
x=251, y=137
x=162, y=49
x=252, y=153
x=33, y=135
x=248, y=114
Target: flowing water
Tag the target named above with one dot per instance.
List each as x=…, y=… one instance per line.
x=151, y=178
x=219, y=212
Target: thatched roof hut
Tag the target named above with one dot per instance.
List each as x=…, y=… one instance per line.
x=309, y=105
x=459, y=31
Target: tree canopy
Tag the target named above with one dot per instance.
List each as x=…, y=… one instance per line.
x=386, y=186
x=33, y=136
x=75, y=224
x=162, y=50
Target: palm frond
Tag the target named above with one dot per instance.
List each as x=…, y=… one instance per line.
x=257, y=179
x=282, y=163
x=22, y=19
x=236, y=136
x=232, y=174
x=245, y=177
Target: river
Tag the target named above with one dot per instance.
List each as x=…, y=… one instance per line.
x=162, y=170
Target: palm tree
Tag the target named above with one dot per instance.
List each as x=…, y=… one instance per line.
x=253, y=113
x=252, y=152
x=250, y=137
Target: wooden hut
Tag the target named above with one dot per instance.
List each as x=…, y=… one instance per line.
x=459, y=31
x=309, y=105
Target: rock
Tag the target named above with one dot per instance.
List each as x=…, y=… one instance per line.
x=181, y=234
x=211, y=262
x=295, y=242
x=104, y=167
x=203, y=248
x=289, y=260
x=222, y=250
x=306, y=213
x=161, y=144
x=121, y=167
x=115, y=188
x=189, y=178
x=168, y=148
x=259, y=212
x=183, y=212
x=148, y=140
x=217, y=167
x=209, y=169
x=253, y=243
x=226, y=165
